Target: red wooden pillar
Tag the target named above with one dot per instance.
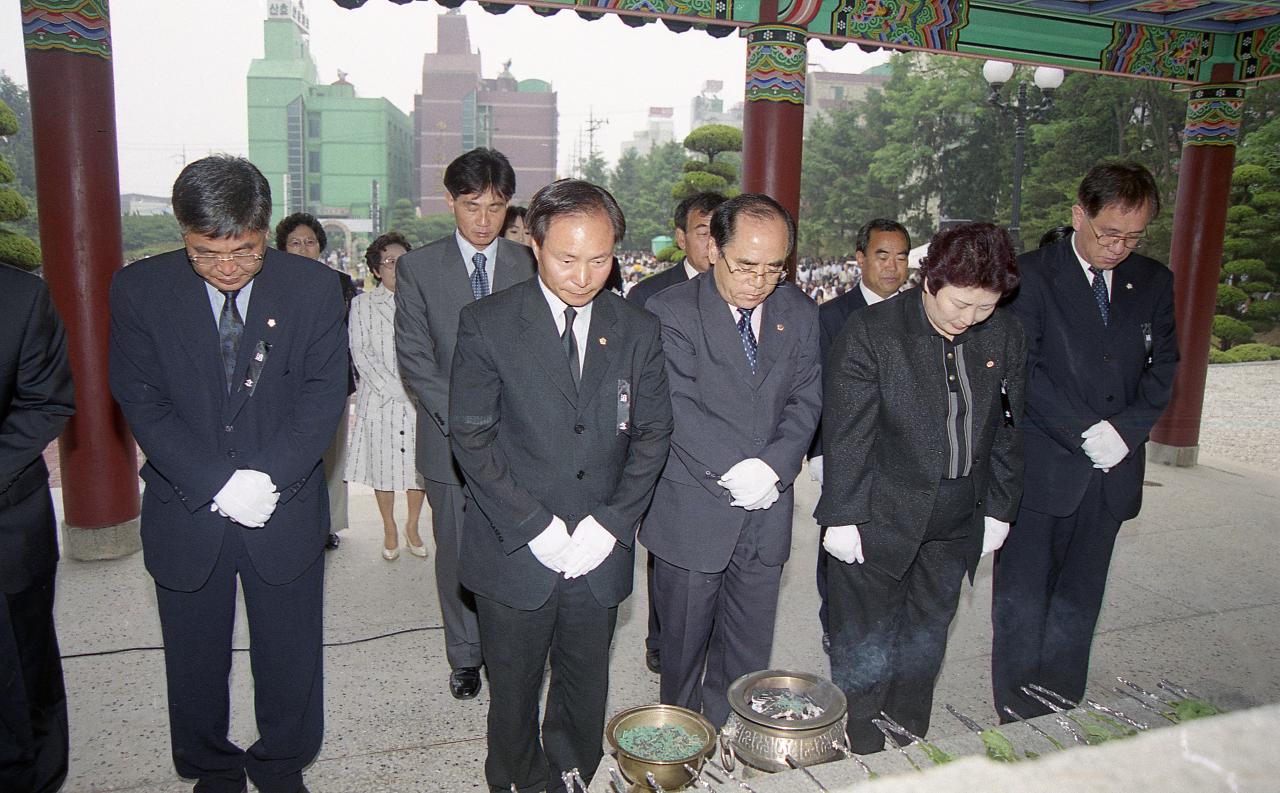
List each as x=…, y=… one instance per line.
x=773, y=117
x=1214, y=115
x=68, y=54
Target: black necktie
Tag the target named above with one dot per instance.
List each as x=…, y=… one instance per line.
x=1100, y=294
x=749, y=345
x=570, y=343
x=230, y=329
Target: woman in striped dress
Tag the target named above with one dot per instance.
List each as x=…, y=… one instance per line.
x=382, y=446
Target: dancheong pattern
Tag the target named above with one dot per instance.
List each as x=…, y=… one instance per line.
x=80, y=26
x=1259, y=52
x=1214, y=115
x=935, y=24
x=1156, y=52
x=776, y=58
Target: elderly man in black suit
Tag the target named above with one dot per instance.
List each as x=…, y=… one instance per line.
x=229, y=361
x=560, y=421
x=742, y=358
x=693, y=232
x=36, y=399
x=1101, y=355
x=434, y=282
x=921, y=409
x=882, y=248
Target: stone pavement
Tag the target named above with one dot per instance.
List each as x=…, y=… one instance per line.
x=1194, y=595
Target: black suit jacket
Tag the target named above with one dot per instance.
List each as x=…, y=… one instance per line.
x=885, y=407
x=167, y=375
x=1080, y=372
x=641, y=292
x=531, y=445
x=831, y=317
x=36, y=399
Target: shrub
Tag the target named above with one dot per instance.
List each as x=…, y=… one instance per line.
x=1218, y=356
x=1230, y=298
x=1231, y=331
x=1253, y=352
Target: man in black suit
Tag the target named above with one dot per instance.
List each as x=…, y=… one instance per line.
x=742, y=359
x=693, y=232
x=229, y=361
x=36, y=399
x=882, y=246
x=1101, y=355
x=921, y=405
x=434, y=282
x=561, y=421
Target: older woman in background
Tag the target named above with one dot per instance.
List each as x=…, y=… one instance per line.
x=302, y=234
x=386, y=419
x=922, y=401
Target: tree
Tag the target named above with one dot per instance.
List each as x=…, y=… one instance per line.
x=147, y=235
x=16, y=248
x=642, y=186
x=711, y=141
x=1231, y=331
x=1230, y=299
x=594, y=169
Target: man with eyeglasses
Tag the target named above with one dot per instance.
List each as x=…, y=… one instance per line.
x=229, y=362
x=746, y=391
x=1101, y=355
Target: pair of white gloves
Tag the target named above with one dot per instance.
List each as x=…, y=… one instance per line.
x=1104, y=446
x=845, y=543
x=572, y=555
x=752, y=484
x=249, y=497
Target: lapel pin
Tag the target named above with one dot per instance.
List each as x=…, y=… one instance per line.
x=248, y=383
x=780, y=327
x=603, y=341
x=991, y=364
x=271, y=323
x=1128, y=286
x=258, y=356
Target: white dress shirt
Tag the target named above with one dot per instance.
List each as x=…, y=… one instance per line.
x=871, y=297
x=756, y=320
x=216, y=300
x=690, y=270
x=469, y=251
x=581, y=322
x=1106, y=274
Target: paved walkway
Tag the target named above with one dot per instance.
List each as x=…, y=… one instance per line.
x=1194, y=595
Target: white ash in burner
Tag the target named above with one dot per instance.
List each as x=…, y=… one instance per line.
x=783, y=704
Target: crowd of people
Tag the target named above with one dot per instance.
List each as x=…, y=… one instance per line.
x=994, y=404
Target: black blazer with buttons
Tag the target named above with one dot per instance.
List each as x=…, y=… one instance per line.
x=1080, y=372
x=167, y=375
x=884, y=423
x=531, y=445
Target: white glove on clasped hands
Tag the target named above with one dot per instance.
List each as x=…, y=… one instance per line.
x=748, y=481
x=1104, y=445
x=844, y=543
x=764, y=503
x=994, y=533
x=249, y=497
x=815, y=469
x=589, y=545
x=551, y=546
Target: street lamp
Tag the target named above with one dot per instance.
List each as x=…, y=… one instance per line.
x=1047, y=79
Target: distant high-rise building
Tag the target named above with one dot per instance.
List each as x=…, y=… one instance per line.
x=708, y=107
x=827, y=91
x=323, y=149
x=659, y=130
x=458, y=111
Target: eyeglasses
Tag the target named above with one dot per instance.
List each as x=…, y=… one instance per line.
x=1131, y=242
x=390, y=261
x=213, y=259
x=770, y=274
x=302, y=243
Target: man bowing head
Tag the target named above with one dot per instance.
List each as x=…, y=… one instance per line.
x=561, y=422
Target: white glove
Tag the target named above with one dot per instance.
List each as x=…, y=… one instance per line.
x=1104, y=445
x=589, y=545
x=994, y=533
x=249, y=497
x=550, y=547
x=748, y=481
x=815, y=469
x=844, y=543
x=763, y=503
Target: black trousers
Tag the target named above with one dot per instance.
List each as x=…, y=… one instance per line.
x=1049, y=580
x=457, y=605
x=33, y=702
x=716, y=627
x=888, y=636
x=575, y=630
x=653, y=640
x=286, y=657
x=824, y=608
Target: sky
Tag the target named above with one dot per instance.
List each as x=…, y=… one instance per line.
x=180, y=69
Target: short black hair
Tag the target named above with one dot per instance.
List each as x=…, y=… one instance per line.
x=971, y=255
x=222, y=196
x=705, y=202
x=758, y=205
x=1053, y=235
x=285, y=227
x=513, y=212
x=572, y=197
x=1127, y=185
x=479, y=170
x=373, y=254
x=879, y=224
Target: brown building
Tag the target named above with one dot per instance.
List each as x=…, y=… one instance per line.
x=458, y=110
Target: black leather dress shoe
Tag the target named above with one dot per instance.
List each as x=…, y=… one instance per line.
x=464, y=682
x=654, y=661
x=332, y=542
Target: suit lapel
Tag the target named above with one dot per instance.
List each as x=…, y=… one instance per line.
x=1126, y=284
x=455, y=283
x=720, y=329
x=540, y=338
x=600, y=343
x=1073, y=291
x=196, y=326
x=774, y=334
x=505, y=272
